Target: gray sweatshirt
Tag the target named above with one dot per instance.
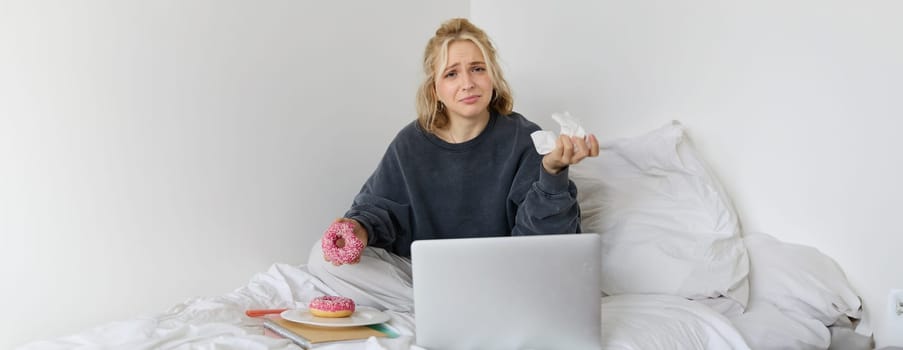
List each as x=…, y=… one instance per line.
x=492, y=185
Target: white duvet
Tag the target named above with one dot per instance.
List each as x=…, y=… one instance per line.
x=628, y=322
x=638, y=321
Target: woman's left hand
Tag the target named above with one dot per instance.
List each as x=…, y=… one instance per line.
x=570, y=150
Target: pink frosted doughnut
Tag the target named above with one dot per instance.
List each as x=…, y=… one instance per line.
x=331, y=306
x=353, y=246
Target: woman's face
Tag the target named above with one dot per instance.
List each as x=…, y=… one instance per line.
x=465, y=86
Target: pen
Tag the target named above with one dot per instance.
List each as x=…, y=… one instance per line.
x=261, y=312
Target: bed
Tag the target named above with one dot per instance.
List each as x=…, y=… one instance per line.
x=678, y=273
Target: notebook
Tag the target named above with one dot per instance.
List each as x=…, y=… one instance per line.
x=536, y=292
x=305, y=335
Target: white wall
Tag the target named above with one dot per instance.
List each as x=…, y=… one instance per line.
x=797, y=105
x=152, y=151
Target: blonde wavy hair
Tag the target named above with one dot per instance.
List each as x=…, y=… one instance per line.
x=431, y=115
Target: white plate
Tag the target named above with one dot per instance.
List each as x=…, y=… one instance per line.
x=362, y=316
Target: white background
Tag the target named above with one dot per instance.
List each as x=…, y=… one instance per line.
x=156, y=151
x=797, y=105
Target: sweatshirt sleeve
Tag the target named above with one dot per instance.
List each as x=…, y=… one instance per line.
x=549, y=202
x=382, y=205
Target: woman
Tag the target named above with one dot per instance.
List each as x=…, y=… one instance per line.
x=466, y=167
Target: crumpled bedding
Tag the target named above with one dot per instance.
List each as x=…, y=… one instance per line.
x=220, y=322
x=628, y=322
x=641, y=321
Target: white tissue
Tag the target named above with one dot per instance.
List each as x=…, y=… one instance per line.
x=544, y=140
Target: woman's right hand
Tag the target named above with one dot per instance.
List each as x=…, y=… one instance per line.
x=359, y=232
x=570, y=150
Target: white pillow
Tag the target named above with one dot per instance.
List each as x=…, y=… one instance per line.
x=799, y=279
x=667, y=225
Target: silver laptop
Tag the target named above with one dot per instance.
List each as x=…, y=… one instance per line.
x=526, y=292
